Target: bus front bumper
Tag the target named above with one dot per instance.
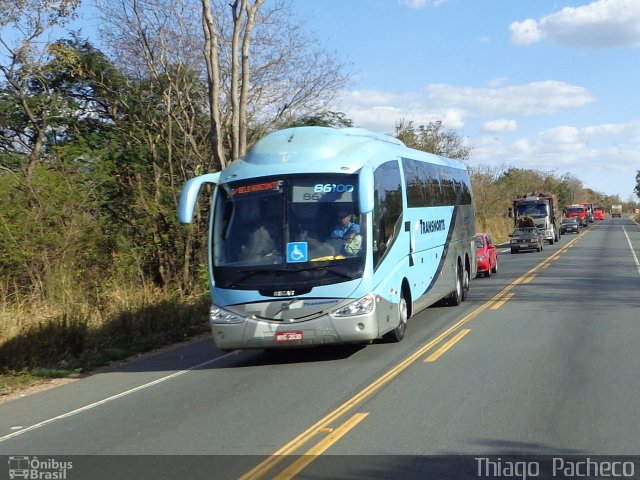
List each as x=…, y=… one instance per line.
x=322, y=330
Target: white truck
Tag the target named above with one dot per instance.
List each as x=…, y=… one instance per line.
x=541, y=210
x=616, y=211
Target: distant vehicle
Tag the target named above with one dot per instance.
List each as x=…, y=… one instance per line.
x=589, y=207
x=616, y=211
x=332, y=236
x=598, y=212
x=528, y=238
x=570, y=225
x=542, y=209
x=579, y=211
x=486, y=255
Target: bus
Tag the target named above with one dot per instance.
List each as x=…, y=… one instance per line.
x=332, y=236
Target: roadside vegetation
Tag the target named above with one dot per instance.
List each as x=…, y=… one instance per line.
x=96, y=143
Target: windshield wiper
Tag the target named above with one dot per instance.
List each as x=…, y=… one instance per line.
x=327, y=269
x=247, y=274
x=276, y=272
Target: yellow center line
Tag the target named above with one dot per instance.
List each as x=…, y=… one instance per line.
x=321, y=447
x=321, y=425
x=498, y=303
x=450, y=343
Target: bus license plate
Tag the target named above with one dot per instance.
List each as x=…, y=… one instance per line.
x=289, y=336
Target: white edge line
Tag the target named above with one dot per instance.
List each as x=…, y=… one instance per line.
x=107, y=400
x=635, y=257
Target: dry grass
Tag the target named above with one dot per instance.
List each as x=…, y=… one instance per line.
x=39, y=340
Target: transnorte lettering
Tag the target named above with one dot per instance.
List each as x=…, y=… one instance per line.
x=430, y=226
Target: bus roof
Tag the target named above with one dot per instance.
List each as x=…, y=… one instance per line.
x=323, y=149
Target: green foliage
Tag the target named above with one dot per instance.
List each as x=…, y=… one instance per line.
x=433, y=138
x=636, y=190
x=321, y=119
x=51, y=233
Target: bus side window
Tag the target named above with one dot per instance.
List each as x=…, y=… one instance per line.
x=387, y=210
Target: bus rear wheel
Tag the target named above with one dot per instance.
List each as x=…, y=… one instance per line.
x=466, y=283
x=397, y=334
x=458, y=294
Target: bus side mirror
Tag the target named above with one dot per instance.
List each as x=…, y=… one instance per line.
x=365, y=190
x=189, y=195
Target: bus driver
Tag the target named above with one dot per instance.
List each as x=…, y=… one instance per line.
x=347, y=231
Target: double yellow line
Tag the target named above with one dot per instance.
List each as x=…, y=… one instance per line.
x=333, y=434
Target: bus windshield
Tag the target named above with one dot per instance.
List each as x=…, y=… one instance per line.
x=576, y=210
x=294, y=231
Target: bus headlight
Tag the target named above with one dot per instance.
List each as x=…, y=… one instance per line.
x=220, y=315
x=361, y=306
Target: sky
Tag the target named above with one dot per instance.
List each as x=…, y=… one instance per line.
x=550, y=85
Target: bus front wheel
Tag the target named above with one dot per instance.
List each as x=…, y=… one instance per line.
x=397, y=334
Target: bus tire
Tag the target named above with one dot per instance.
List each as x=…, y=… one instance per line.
x=397, y=334
x=456, y=297
x=466, y=283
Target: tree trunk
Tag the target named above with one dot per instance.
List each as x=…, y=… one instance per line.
x=244, y=94
x=213, y=80
x=238, y=19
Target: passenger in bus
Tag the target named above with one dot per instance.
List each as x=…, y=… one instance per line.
x=261, y=248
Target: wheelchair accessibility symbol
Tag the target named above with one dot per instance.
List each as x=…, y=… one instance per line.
x=297, y=252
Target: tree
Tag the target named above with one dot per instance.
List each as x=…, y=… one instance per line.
x=490, y=195
x=432, y=138
x=25, y=71
x=636, y=190
x=282, y=74
x=165, y=108
x=320, y=119
x=261, y=67
x=51, y=213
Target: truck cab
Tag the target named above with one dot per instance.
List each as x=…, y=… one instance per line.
x=541, y=211
x=579, y=211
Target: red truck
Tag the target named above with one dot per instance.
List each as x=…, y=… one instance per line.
x=598, y=212
x=579, y=211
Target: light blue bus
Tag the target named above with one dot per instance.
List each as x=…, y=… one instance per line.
x=333, y=236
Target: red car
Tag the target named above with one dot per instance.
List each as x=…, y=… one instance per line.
x=486, y=254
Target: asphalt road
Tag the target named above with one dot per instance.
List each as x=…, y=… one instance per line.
x=542, y=361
